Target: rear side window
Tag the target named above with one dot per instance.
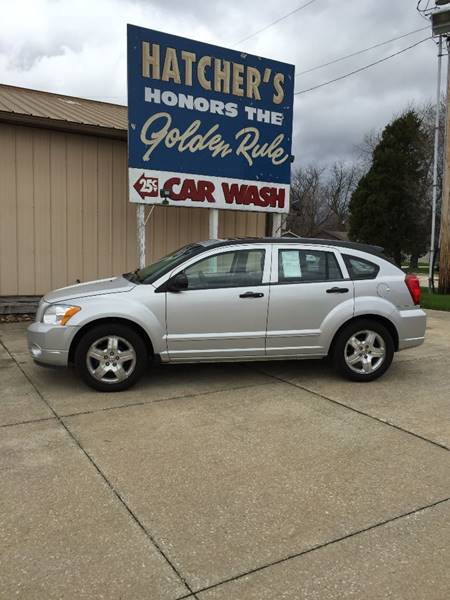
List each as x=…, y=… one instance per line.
x=298, y=266
x=360, y=268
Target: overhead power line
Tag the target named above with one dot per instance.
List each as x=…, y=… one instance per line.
x=292, y=12
x=377, y=62
x=423, y=12
x=336, y=60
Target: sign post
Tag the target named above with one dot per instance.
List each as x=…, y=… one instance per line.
x=140, y=215
x=276, y=225
x=213, y=223
x=208, y=127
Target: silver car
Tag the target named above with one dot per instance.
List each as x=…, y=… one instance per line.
x=235, y=300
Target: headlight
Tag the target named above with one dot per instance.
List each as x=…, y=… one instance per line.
x=59, y=314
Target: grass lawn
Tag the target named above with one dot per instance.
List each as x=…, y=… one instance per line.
x=434, y=301
x=421, y=269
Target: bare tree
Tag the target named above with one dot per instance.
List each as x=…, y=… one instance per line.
x=320, y=197
x=309, y=209
x=342, y=181
x=364, y=150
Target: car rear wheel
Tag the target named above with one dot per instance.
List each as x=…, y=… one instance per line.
x=111, y=357
x=363, y=350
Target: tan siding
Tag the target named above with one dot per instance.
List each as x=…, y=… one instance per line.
x=64, y=213
x=104, y=194
x=42, y=210
x=131, y=252
x=58, y=208
x=227, y=222
x=90, y=232
x=25, y=212
x=8, y=212
x=74, y=208
x=119, y=207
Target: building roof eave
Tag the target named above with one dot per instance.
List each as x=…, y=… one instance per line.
x=62, y=125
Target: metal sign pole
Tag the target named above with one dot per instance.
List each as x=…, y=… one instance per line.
x=276, y=224
x=213, y=223
x=140, y=214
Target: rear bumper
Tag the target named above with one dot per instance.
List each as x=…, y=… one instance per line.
x=411, y=327
x=50, y=344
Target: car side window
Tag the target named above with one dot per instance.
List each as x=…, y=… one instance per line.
x=298, y=266
x=360, y=268
x=229, y=269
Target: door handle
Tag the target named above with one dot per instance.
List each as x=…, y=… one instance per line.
x=251, y=295
x=337, y=290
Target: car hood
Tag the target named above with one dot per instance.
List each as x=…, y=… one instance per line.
x=112, y=285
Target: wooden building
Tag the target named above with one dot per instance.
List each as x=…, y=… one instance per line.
x=64, y=211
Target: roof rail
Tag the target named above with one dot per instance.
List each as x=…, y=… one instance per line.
x=369, y=248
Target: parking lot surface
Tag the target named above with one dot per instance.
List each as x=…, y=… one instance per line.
x=254, y=481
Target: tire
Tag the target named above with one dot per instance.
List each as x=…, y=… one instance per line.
x=363, y=350
x=111, y=357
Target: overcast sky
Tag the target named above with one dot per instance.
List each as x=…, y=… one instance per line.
x=79, y=48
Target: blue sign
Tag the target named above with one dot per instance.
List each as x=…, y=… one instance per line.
x=208, y=126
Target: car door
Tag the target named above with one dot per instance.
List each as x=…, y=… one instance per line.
x=310, y=295
x=222, y=313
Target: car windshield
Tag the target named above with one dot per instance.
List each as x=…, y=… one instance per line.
x=151, y=273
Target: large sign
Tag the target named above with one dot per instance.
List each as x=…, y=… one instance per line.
x=207, y=126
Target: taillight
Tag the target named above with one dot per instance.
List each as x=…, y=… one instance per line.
x=413, y=285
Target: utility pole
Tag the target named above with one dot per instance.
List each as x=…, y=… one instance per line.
x=440, y=25
x=435, y=169
x=444, y=262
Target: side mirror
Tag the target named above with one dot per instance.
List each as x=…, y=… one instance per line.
x=178, y=283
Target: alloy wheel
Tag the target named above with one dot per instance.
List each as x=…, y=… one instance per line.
x=365, y=352
x=111, y=359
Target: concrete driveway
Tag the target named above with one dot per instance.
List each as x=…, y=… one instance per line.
x=227, y=482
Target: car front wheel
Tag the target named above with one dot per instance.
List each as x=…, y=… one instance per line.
x=111, y=357
x=363, y=351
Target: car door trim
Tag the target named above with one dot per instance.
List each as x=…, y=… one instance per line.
x=294, y=333
x=201, y=337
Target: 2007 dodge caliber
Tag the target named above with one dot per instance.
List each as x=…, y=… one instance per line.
x=235, y=300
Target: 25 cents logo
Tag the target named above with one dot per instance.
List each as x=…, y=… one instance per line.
x=147, y=186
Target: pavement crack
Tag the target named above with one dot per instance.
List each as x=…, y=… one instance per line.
x=172, y=398
x=27, y=422
x=320, y=546
x=116, y=493
x=356, y=410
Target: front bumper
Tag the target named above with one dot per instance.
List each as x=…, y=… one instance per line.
x=50, y=344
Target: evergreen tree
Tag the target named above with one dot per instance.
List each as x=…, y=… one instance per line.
x=388, y=207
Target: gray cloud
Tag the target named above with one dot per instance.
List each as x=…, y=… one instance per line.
x=80, y=48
